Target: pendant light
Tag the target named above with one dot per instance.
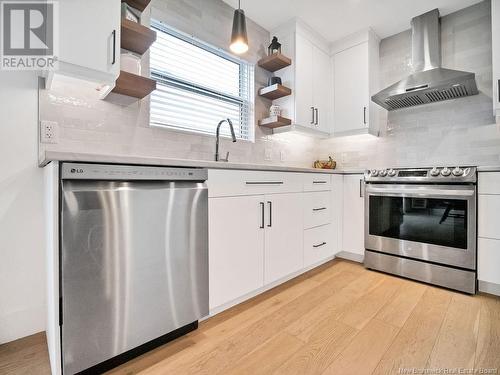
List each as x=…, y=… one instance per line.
x=239, y=38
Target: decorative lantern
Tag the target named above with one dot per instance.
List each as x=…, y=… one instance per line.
x=274, y=47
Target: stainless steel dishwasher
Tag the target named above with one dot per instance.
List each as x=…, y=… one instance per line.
x=134, y=260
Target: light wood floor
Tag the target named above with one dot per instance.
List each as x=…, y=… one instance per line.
x=338, y=319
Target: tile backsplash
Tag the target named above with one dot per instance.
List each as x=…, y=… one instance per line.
x=460, y=131
x=120, y=125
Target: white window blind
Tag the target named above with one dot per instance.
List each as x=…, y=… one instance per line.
x=199, y=85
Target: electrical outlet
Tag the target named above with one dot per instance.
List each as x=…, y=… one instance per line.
x=343, y=157
x=282, y=155
x=269, y=154
x=49, y=132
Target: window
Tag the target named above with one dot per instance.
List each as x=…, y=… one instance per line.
x=198, y=86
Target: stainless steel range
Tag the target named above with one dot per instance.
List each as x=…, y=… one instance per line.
x=421, y=224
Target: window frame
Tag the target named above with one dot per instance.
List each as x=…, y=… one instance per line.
x=247, y=72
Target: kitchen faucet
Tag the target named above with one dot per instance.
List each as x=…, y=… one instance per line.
x=217, y=158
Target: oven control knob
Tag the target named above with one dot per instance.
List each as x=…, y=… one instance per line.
x=434, y=172
x=391, y=173
x=382, y=173
x=446, y=172
x=374, y=173
x=458, y=172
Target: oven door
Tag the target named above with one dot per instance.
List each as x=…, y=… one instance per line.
x=435, y=223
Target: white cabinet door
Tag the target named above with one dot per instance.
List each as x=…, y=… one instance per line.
x=236, y=256
x=487, y=216
x=488, y=261
x=304, y=106
x=317, y=245
x=89, y=38
x=322, y=89
x=351, y=89
x=317, y=182
x=488, y=183
x=317, y=209
x=337, y=211
x=354, y=215
x=284, y=236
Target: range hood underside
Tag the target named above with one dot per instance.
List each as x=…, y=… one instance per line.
x=417, y=88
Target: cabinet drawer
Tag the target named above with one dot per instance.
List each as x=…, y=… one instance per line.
x=488, y=183
x=317, y=245
x=226, y=183
x=488, y=260
x=317, y=182
x=488, y=216
x=317, y=209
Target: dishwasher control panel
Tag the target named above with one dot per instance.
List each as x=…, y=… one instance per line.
x=81, y=171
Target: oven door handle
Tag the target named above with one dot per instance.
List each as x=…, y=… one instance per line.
x=426, y=192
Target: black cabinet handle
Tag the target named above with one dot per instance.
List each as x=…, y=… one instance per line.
x=319, y=182
x=317, y=116
x=270, y=214
x=262, y=207
x=499, y=90
x=364, y=115
x=312, y=111
x=264, y=183
x=319, y=209
x=114, y=47
x=321, y=244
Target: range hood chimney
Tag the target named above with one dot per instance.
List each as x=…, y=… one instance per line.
x=428, y=82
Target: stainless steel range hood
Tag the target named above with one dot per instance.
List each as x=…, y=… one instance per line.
x=429, y=82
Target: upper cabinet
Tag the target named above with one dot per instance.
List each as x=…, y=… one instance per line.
x=495, y=18
x=89, y=41
x=331, y=84
x=322, y=90
x=312, y=85
x=309, y=77
x=302, y=109
x=355, y=71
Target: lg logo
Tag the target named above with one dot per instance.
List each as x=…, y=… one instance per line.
x=76, y=170
x=28, y=34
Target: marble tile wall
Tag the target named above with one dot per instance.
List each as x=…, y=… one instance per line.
x=453, y=132
x=120, y=126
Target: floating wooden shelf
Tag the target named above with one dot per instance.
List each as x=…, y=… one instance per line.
x=136, y=37
x=275, y=122
x=137, y=4
x=275, y=91
x=133, y=85
x=274, y=62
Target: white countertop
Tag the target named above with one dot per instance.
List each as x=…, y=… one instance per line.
x=489, y=168
x=145, y=160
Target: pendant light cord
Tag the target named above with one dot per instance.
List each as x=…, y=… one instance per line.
x=239, y=4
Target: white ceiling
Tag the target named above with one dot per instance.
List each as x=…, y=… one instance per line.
x=335, y=19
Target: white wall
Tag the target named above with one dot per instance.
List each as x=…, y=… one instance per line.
x=22, y=252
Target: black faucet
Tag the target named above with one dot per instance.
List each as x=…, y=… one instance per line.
x=217, y=136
